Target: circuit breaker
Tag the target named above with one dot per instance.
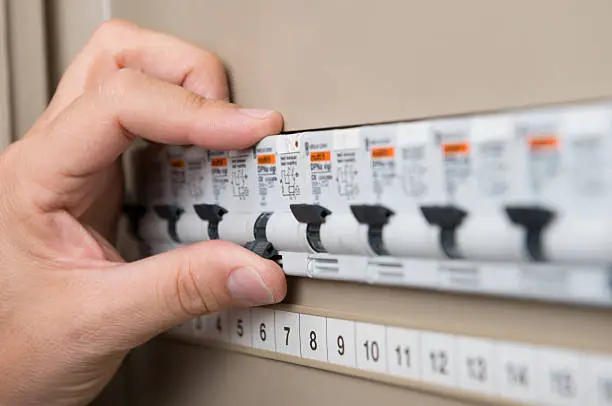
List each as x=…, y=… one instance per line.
x=513, y=204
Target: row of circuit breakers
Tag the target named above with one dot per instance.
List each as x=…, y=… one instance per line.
x=532, y=188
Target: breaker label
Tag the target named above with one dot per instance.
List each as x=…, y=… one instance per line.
x=383, y=169
x=266, y=175
x=456, y=156
x=492, y=167
x=321, y=176
x=588, y=171
x=289, y=175
x=195, y=177
x=414, y=169
x=544, y=160
x=347, y=174
x=219, y=174
x=239, y=177
x=266, y=159
x=177, y=175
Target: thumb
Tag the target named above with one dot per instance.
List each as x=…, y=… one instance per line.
x=159, y=292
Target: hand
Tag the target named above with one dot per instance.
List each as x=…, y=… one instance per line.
x=70, y=307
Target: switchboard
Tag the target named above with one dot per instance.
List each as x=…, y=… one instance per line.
x=513, y=203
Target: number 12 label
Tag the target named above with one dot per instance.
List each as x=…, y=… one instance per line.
x=287, y=332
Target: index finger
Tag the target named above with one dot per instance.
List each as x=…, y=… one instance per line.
x=118, y=44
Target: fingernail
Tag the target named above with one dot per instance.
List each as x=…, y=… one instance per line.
x=245, y=284
x=257, y=113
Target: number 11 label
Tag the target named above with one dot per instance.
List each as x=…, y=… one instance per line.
x=403, y=356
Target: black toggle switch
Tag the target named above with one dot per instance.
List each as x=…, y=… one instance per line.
x=448, y=219
x=171, y=214
x=263, y=248
x=213, y=214
x=134, y=213
x=313, y=216
x=260, y=245
x=376, y=217
x=534, y=219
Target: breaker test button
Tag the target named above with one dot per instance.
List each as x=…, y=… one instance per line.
x=171, y=214
x=376, y=217
x=213, y=214
x=448, y=219
x=313, y=216
x=535, y=220
x=134, y=213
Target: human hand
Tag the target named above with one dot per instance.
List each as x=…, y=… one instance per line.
x=70, y=307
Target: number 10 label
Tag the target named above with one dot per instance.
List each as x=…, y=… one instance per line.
x=371, y=347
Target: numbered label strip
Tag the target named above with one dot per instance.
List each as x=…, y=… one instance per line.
x=521, y=373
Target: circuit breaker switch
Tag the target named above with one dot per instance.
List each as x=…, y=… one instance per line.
x=448, y=219
x=259, y=229
x=375, y=217
x=213, y=214
x=313, y=216
x=534, y=220
x=262, y=248
x=171, y=214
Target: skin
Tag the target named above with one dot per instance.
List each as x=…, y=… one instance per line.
x=70, y=307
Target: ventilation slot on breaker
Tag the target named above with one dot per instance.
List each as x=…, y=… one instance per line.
x=322, y=267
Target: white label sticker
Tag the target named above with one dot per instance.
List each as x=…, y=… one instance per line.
x=438, y=358
x=240, y=327
x=262, y=329
x=403, y=352
x=341, y=342
x=562, y=378
x=313, y=337
x=600, y=381
x=478, y=367
x=371, y=347
x=287, y=332
x=517, y=378
x=217, y=327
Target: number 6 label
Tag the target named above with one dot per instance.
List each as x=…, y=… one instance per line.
x=287, y=332
x=262, y=329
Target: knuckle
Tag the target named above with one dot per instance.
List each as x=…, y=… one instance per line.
x=111, y=29
x=193, y=101
x=194, y=296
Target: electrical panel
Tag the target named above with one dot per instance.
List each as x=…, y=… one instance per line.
x=513, y=204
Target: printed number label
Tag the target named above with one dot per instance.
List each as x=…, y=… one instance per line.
x=438, y=355
x=262, y=329
x=477, y=367
x=313, y=332
x=562, y=380
x=217, y=327
x=287, y=330
x=240, y=321
x=517, y=371
x=341, y=342
x=371, y=347
x=403, y=357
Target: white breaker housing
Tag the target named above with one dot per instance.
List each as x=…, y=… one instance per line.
x=513, y=204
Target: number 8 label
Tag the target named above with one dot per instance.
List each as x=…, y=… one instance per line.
x=313, y=331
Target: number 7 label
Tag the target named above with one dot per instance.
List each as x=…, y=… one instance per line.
x=287, y=332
